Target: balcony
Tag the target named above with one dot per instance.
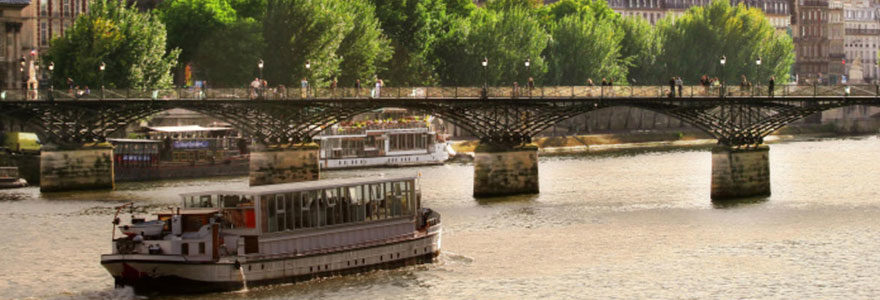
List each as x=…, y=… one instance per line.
x=855, y=31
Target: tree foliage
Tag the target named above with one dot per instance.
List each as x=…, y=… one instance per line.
x=506, y=38
x=695, y=42
x=322, y=32
x=130, y=43
x=584, y=47
x=412, y=26
x=190, y=22
x=639, y=48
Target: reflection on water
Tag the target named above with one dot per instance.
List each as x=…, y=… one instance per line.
x=638, y=225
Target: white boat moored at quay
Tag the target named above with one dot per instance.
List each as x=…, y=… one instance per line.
x=229, y=239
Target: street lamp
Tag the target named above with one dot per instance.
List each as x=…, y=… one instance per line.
x=529, y=75
x=102, y=67
x=723, y=61
x=23, y=62
x=51, y=85
x=485, y=64
x=308, y=77
x=260, y=66
x=758, y=72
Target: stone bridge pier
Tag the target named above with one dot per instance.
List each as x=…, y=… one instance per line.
x=85, y=167
x=740, y=172
x=505, y=170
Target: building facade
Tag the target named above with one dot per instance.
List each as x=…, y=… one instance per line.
x=777, y=11
x=11, y=21
x=862, y=40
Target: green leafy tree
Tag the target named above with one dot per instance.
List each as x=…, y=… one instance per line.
x=364, y=48
x=584, y=47
x=230, y=54
x=324, y=33
x=190, y=22
x=130, y=43
x=695, y=42
x=413, y=26
x=639, y=48
x=527, y=5
x=506, y=38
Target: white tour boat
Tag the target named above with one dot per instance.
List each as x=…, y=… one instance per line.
x=229, y=239
x=377, y=144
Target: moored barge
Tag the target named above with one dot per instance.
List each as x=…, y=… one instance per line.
x=229, y=239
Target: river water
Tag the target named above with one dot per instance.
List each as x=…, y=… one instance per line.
x=633, y=225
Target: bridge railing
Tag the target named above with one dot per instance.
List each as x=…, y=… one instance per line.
x=496, y=92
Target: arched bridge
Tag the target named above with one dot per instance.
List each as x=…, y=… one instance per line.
x=503, y=118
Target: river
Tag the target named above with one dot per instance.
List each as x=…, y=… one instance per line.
x=626, y=225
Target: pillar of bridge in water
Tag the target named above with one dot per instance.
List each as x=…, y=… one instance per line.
x=284, y=163
x=86, y=167
x=740, y=173
x=500, y=171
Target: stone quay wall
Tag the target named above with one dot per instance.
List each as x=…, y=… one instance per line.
x=505, y=172
x=282, y=165
x=740, y=173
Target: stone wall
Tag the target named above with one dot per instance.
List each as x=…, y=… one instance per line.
x=162, y=172
x=740, y=173
x=505, y=172
x=28, y=165
x=282, y=165
x=78, y=169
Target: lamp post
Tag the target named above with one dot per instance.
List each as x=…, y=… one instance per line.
x=308, y=77
x=102, y=67
x=723, y=61
x=757, y=73
x=260, y=66
x=529, y=75
x=51, y=85
x=23, y=63
x=485, y=64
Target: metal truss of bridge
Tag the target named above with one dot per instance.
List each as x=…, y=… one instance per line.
x=503, y=118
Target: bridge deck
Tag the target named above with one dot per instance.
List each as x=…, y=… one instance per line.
x=447, y=93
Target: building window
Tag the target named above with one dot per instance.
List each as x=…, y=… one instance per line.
x=44, y=7
x=44, y=34
x=76, y=7
x=66, y=8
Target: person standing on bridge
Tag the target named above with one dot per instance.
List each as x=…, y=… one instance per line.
x=671, y=93
x=304, y=85
x=680, y=84
x=771, y=85
x=531, y=86
x=357, y=88
x=255, y=85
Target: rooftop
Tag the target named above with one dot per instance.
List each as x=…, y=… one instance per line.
x=302, y=186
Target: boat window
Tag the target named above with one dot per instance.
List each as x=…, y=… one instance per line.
x=292, y=211
x=205, y=201
x=184, y=248
x=280, y=212
x=270, y=223
x=310, y=207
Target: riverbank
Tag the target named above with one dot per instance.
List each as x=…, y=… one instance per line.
x=685, y=139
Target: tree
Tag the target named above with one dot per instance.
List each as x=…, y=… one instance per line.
x=413, y=26
x=130, y=43
x=364, y=48
x=695, y=42
x=324, y=33
x=501, y=5
x=506, y=38
x=190, y=22
x=231, y=54
x=584, y=47
x=639, y=48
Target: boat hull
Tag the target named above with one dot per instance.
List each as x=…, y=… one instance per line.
x=11, y=184
x=149, y=274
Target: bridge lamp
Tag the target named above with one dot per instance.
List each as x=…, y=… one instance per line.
x=102, y=67
x=723, y=61
x=485, y=64
x=260, y=66
x=309, y=71
x=51, y=84
x=758, y=70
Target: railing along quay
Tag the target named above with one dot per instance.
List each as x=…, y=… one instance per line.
x=547, y=92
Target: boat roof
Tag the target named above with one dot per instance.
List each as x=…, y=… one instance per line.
x=302, y=186
x=187, y=128
x=134, y=141
x=191, y=211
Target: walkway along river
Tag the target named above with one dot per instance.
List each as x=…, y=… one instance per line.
x=624, y=225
